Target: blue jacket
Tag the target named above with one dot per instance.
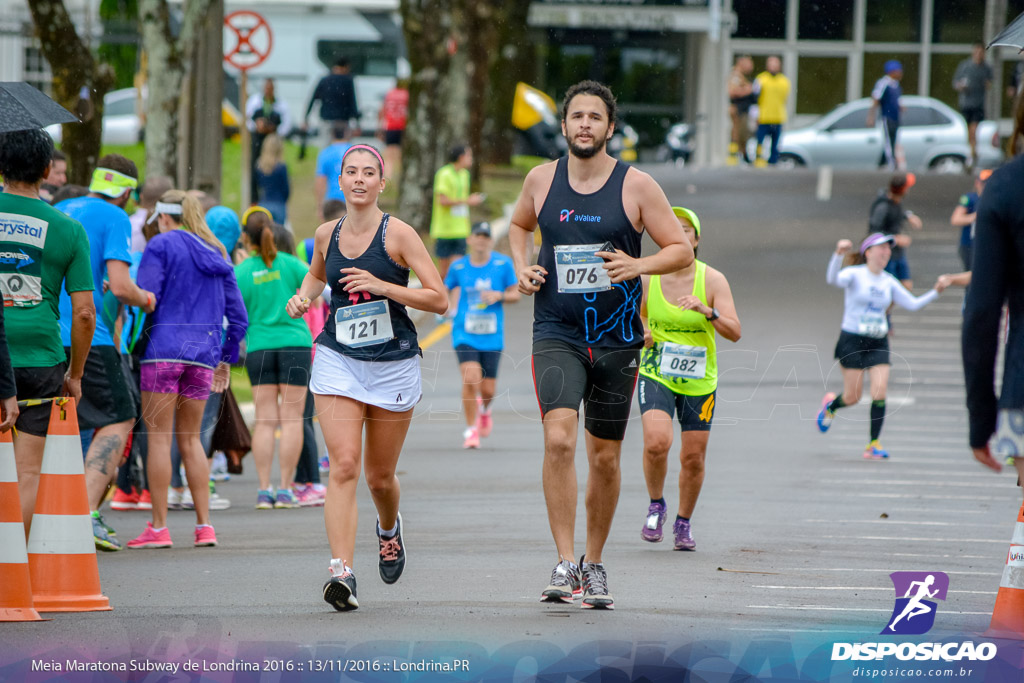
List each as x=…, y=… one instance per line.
x=195, y=290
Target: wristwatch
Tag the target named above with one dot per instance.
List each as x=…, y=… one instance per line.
x=714, y=315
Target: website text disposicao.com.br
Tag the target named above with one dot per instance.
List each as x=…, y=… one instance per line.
x=903, y=673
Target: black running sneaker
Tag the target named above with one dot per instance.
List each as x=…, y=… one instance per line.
x=392, y=555
x=595, y=586
x=565, y=584
x=340, y=591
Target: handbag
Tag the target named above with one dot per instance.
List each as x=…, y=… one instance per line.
x=231, y=434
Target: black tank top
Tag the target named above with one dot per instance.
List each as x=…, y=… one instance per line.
x=361, y=325
x=608, y=318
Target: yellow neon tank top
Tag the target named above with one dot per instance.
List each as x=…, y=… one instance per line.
x=688, y=328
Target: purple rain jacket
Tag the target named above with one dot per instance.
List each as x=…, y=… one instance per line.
x=195, y=290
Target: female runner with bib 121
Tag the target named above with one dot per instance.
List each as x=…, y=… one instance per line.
x=366, y=372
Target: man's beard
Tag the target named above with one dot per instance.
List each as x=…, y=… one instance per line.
x=587, y=152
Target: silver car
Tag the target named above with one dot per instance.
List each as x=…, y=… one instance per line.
x=121, y=122
x=932, y=135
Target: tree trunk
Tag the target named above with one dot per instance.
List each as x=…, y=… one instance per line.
x=435, y=33
x=512, y=59
x=167, y=60
x=74, y=69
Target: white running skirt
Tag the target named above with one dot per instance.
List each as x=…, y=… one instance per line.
x=393, y=385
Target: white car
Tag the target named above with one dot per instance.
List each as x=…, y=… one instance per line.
x=932, y=137
x=121, y=122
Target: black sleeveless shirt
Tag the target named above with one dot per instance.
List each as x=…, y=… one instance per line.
x=609, y=318
x=376, y=260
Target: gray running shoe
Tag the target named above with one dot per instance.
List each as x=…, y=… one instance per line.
x=595, y=586
x=565, y=584
x=392, y=555
x=104, y=537
x=340, y=591
x=684, y=540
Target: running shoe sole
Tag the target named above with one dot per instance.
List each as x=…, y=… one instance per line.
x=105, y=546
x=121, y=505
x=150, y=546
x=560, y=595
x=598, y=602
x=340, y=596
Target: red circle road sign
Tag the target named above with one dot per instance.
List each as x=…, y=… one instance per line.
x=247, y=39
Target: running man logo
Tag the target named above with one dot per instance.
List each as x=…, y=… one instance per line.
x=564, y=216
x=708, y=409
x=915, y=588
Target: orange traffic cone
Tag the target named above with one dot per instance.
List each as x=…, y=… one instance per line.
x=61, y=551
x=15, y=590
x=1008, y=614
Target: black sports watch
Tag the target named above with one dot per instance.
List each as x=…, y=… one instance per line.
x=714, y=315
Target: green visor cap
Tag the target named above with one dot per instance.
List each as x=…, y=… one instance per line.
x=680, y=212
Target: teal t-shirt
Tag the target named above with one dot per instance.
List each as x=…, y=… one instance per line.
x=40, y=250
x=265, y=292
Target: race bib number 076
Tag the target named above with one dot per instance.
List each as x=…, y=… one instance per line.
x=580, y=270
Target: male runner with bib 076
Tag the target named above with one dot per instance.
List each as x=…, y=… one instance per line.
x=587, y=334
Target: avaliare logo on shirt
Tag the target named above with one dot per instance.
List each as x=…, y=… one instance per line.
x=570, y=215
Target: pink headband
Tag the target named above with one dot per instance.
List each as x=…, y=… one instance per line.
x=366, y=148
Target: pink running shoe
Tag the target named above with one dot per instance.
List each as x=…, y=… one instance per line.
x=472, y=438
x=484, y=423
x=151, y=538
x=307, y=496
x=205, y=536
x=125, y=501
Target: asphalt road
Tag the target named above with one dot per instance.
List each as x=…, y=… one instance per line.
x=796, y=533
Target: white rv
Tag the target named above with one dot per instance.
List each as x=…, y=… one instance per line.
x=308, y=37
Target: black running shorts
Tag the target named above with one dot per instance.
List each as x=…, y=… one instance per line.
x=602, y=379
x=107, y=398
x=288, y=365
x=694, y=412
x=857, y=352
x=37, y=383
x=488, y=360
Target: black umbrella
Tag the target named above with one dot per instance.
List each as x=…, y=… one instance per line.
x=1012, y=35
x=22, y=107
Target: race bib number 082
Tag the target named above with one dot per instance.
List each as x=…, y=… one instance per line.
x=689, y=362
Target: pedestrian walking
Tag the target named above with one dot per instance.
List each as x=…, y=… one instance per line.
x=888, y=216
x=863, y=345
x=972, y=79
x=366, y=375
x=592, y=211
x=772, y=88
x=336, y=93
x=741, y=98
x=277, y=359
x=480, y=284
x=449, y=219
x=187, y=353
x=272, y=179
x=682, y=312
x=107, y=409
x=885, y=98
x=966, y=213
x=265, y=115
x=327, y=185
x=394, y=115
x=51, y=253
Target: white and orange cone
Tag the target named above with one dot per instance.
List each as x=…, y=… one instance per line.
x=1008, y=614
x=15, y=588
x=61, y=552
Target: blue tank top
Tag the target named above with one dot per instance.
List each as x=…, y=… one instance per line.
x=364, y=326
x=577, y=304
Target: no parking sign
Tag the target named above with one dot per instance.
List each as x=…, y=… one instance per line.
x=247, y=39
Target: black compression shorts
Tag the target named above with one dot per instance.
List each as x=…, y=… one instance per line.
x=602, y=379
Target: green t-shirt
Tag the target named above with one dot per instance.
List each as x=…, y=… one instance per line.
x=265, y=292
x=450, y=222
x=40, y=248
